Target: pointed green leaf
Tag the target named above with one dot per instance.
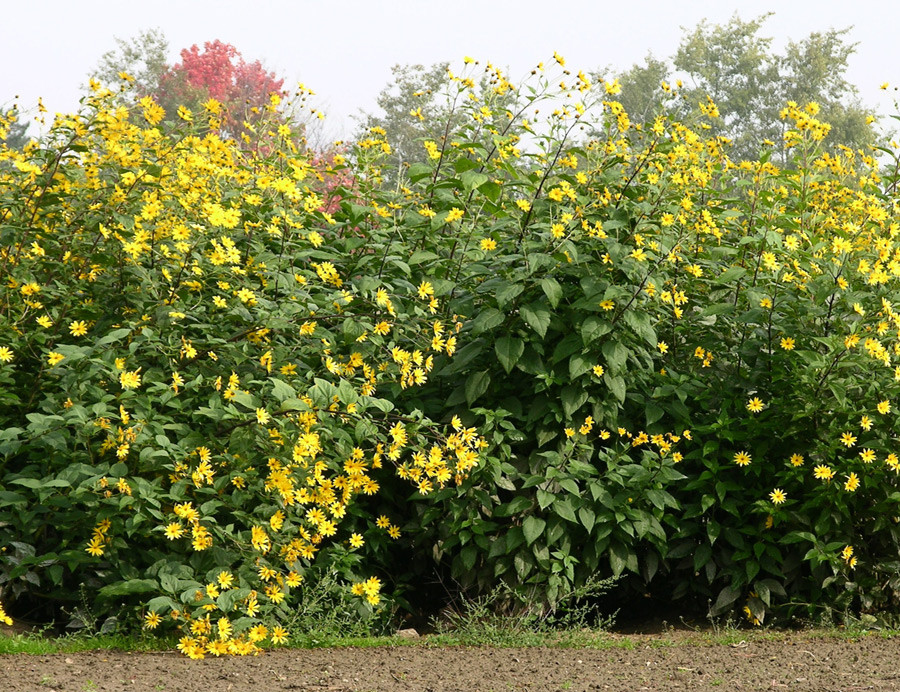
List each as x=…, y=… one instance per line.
x=552, y=290
x=593, y=328
x=532, y=527
x=509, y=349
x=476, y=385
x=537, y=316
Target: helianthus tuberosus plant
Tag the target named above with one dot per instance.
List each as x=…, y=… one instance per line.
x=194, y=358
x=684, y=368
x=686, y=364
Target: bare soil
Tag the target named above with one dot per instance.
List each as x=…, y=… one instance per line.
x=668, y=661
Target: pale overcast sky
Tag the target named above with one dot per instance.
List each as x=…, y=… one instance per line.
x=344, y=49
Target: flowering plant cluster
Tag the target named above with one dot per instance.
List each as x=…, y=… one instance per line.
x=686, y=364
x=562, y=346
x=198, y=356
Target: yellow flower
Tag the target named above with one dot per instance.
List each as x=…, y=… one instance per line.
x=257, y=633
x=848, y=439
x=262, y=416
x=488, y=244
x=847, y=552
x=884, y=407
x=865, y=423
x=130, y=379
x=425, y=290
x=45, y=321
x=523, y=204
x=787, y=344
x=823, y=472
x=598, y=370
x=6, y=355
x=796, y=460
x=663, y=347
x=742, y=459
x=53, y=358
x=279, y=635
x=777, y=496
x=356, y=541
x=867, y=455
x=78, y=328
x=173, y=531
x=755, y=405
x=454, y=215
x=852, y=483
x=152, y=620
x=607, y=305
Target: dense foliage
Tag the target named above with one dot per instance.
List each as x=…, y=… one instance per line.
x=539, y=359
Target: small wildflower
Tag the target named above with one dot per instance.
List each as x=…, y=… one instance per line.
x=742, y=459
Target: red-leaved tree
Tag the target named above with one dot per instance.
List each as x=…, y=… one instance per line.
x=219, y=72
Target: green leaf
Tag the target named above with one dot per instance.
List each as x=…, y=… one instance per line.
x=161, y=604
x=126, y=588
x=616, y=356
x=563, y=508
x=618, y=557
x=653, y=413
x=486, y=320
x=509, y=349
x=472, y=180
x=552, y=290
x=573, y=398
x=281, y=390
x=730, y=275
x=420, y=256
x=616, y=385
x=507, y=292
x=545, y=498
x=701, y=556
x=640, y=323
x=417, y=171
x=727, y=596
x=593, y=328
x=537, y=316
x=587, y=517
x=578, y=365
x=113, y=336
x=532, y=527
x=491, y=190
x=476, y=385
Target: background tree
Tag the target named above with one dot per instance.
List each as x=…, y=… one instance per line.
x=220, y=72
x=13, y=130
x=750, y=83
x=426, y=104
x=412, y=111
x=143, y=57
x=642, y=95
x=217, y=71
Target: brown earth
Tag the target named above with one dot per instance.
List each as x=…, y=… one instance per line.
x=669, y=661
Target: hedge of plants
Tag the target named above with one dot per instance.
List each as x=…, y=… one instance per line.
x=565, y=347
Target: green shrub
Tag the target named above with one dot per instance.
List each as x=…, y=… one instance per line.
x=643, y=316
x=194, y=361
